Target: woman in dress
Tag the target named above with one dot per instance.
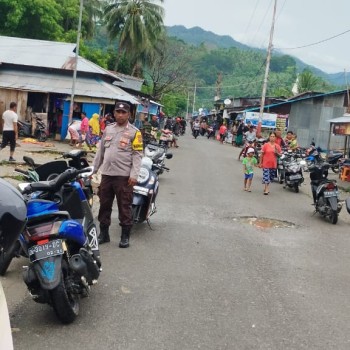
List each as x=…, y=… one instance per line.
x=268, y=161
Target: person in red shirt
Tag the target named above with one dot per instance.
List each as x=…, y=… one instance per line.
x=223, y=132
x=268, y=161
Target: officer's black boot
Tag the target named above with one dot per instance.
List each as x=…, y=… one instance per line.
x=104, y=235
x=125, y=236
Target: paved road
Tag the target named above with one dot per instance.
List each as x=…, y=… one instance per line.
x=204, y=277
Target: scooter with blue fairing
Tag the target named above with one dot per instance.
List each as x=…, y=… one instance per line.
x=60, y=240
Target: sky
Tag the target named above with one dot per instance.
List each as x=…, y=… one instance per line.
x=298, y=23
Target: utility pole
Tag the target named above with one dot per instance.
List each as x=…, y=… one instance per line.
x=76, y=62
x=347, y=91
x=188, y=104
x=194, y=98
x=267, y=69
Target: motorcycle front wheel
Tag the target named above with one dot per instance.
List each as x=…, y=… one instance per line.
x=335, y=169
x=6, y=257
x=279, y=176
x=296, y=188
x=334, y=217
x=65, y=304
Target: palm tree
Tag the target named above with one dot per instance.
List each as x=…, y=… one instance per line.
x=307, y=81
x=137, y=24
x=93, y=12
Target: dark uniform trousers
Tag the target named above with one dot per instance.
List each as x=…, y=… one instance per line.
x=110, y=187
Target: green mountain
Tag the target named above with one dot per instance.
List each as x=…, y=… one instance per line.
x=197, y=36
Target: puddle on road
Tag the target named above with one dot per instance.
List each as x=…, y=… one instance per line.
x=264, y=223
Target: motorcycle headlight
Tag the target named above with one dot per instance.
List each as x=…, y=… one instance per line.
x=294, y=168
x=143, y=176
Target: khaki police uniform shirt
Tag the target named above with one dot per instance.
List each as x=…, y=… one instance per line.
x=120, y=151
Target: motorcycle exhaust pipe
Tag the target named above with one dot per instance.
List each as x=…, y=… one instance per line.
x=92, y=267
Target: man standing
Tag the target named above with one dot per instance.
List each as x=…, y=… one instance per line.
x=119, y=156
x=9, y=129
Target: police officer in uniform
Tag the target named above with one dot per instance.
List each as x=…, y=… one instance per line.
x=119, y=157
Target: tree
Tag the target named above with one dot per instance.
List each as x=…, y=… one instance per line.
x=307, y=81
x=137, y=24
x=35, y=19
x=169, y=70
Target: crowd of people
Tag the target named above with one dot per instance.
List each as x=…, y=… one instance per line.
x=245, y=135
x=88, y=131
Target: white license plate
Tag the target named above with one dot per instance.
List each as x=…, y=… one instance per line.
x=46, y=250
x=295, y=177
x=330, y=193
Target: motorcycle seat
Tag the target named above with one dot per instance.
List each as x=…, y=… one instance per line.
x=26, y=123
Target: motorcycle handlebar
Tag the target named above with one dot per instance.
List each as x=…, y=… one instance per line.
x=24, y=172
x=55, y=184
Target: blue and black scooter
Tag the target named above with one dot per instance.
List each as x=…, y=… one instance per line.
x=60, y=240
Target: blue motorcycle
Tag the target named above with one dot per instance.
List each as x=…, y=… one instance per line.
x=60, y=241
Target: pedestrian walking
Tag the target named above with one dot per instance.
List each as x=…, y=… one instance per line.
x=249, y=162
x=74, y=132
x=119, y=156
x=84, y=129
x=268, y=161
x=10, y=129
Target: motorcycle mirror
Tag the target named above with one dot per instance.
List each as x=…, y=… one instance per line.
x=168, y=155
x=29, y=161
x=347, y=204
x=22, y=186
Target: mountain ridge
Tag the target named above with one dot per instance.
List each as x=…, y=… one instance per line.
x=198, y=36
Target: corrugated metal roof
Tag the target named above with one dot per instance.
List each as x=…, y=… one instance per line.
x=62, y=84
x=46, y=54
x=129, y=82
x=296, y=100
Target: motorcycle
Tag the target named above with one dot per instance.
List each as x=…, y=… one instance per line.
x=324, y=191
x=195, y=131
x=76, y=159
x=66, y=202
x=60, y=241
x=13, y=217
x=289, y=171
x=25, y=129
x=210, y=132
x=157, y=153
x=335, y=159
x=145, y=192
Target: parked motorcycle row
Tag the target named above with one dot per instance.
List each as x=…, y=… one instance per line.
x=48, y=220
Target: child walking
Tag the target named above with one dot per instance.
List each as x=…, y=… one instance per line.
x=249, y=161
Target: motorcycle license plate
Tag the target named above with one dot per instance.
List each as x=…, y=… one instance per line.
x=43, y=251
x=330, y=193
x=295, y=177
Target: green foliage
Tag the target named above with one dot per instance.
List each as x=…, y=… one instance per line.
x=138, y=25
x=36, y=19
x=307, y=81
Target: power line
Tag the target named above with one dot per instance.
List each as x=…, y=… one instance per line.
x=316, y=43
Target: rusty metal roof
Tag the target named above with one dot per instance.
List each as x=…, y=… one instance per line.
x=46, y=54
x=62, y=84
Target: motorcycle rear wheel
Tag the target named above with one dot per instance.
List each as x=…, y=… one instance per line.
x=334, y=217
x=42, y=137
x=65, y=304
